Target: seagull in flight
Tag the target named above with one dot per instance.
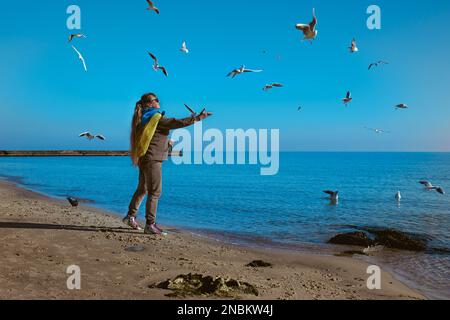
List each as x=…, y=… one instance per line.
x=334, y=195
x=429, y=186
x=156, y=66
x=80, y=57
x=184, y=48
x=309, y=30
x=401, y=106
x=76, y=35
x=270, y=86
x=91, y=137
x=348, y=98
x=241, y=70
x=299, y=108
x=377, y=130
x=376, y=64
x=152, y=7
x=353, y=48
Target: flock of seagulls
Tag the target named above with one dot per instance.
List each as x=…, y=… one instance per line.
x=334, y=195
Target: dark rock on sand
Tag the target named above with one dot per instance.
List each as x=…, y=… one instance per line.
x=136, y=248
x=395, y=239
x=353, y=239
x=259, y=264
x=199, y=285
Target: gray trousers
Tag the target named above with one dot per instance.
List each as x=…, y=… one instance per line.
x=150, y=184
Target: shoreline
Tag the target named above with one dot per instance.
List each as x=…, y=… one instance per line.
x=43, y=236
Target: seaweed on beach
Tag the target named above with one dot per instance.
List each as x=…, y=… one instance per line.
x=199, y=285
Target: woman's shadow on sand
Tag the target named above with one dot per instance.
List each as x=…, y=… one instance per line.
x=45, y=226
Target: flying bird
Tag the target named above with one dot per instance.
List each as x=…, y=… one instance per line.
x=73, y=202
x=80, y=57
x=377, y=130
x=309, y=30
x=184, y=48
x=190, y=110
x=299, y=108
x=270, y=86
x=152, y=7
x=241, y=70
x=429, y=186
x=91, y=137
x=353, y=48
x=401, y=106
x=334, y=195
x=156, y=65
x=376, y=64
x=348, y=98
x=76, y=35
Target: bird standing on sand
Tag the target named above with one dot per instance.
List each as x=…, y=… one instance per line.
x=334, y=195
x=80, y=57
x=152, y=7
x=184, y=48
x=241, y=70
x=76, y=35
x=73, y=202
x=401, y=106
x=429, y=186
x=376, y=64
x=309, y=30
x=91, y=137
x=270, y=86
x=348, y=98
x=353, y=48
x=156, y=65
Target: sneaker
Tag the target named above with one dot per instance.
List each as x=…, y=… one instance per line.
x=153, y=229
x=131, y=222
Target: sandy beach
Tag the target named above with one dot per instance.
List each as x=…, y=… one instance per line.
x=42, y=236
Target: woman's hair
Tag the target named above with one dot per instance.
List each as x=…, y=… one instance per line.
x=145, y=99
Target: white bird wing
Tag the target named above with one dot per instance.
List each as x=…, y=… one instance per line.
x=84, y=134
x=80, y=57
x=302, y=27
x=250, y=70
x=313, y=23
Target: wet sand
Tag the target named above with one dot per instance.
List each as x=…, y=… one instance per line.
x=40, y=237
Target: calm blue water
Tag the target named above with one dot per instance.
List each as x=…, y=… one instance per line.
x=286, y=208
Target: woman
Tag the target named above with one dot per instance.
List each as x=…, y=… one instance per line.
x=149, y=148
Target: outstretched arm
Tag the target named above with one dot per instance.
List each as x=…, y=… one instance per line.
x=173, y=123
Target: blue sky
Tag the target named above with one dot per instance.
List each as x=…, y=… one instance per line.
x=46, y=98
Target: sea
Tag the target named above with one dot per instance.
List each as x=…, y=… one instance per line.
x=235, y=203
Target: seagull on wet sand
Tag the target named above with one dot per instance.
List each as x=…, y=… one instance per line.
x=184, y=48
x=76, y=35
x=309, y=30
x=270, y=86
x=73, y=202
x=348, y=98
x=156, y=65
x=353, y=48
x=334, y=195
x=80, y=57
x=152, y=7
x=376, y=64
x=401, y=106
x=91, y=137
x=241, y=70
x=429, y=186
